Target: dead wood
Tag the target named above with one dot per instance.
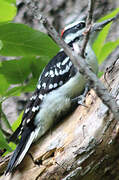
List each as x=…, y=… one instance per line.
x=85, y=145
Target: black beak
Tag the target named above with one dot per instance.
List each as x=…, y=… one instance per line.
x=101, y=25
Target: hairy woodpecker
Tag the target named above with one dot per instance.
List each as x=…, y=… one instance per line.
x=59, y=84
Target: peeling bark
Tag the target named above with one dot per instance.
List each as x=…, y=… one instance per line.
x=83, y=146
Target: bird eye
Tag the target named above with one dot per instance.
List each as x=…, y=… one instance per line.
x=81, y=25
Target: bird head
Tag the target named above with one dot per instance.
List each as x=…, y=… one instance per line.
x=76, y=31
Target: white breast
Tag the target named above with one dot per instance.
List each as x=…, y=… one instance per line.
x=59, y=100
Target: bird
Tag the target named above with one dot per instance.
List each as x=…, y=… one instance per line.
x=58, y=90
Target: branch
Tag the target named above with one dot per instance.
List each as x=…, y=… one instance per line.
x=83, y=68
x=81, y=150
x=88, y=26
x=80, y=63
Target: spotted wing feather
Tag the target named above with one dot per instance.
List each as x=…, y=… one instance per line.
x=58, y=71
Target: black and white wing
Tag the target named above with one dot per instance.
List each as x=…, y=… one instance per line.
x=58, y=71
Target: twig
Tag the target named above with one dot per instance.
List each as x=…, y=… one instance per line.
x=82, y=66
x=98, y=86
x=88, y=26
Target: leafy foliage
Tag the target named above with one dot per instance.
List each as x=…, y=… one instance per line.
x=101, y=48
x=21, y=40
x=32, y=50
x=4, y=85
x=3, y=142
x=7, y=10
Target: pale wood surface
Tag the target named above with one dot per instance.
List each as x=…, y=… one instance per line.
x=80, y=146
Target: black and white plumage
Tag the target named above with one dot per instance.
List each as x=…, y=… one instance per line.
x=58, y=84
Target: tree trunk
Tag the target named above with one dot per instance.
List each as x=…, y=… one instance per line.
x=82, y=146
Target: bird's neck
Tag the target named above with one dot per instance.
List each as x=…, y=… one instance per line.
x=89, y=55
x=91, y=58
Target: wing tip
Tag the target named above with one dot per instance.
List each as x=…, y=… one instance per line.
x=20, y=152
x=10, y=167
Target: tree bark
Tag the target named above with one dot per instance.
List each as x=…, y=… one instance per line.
x=85, y=145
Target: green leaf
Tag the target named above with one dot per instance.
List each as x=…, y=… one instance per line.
x=1, y=45
x=30, y=86
x=100, y=74
x=4, y=118
x=12, y=146
x=21, y=40
x=3, y=85
x=16, y=124
x=110, y=15
x=3, y=142
x=99, y=43
x=38, y=64
x=10, y=1
x=16, y=91
x=7, y=11
x=107, y=49
x=16, y=71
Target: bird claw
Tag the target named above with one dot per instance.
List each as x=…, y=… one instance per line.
x=81, y=101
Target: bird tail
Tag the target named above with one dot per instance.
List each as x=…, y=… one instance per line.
x=21, y=150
